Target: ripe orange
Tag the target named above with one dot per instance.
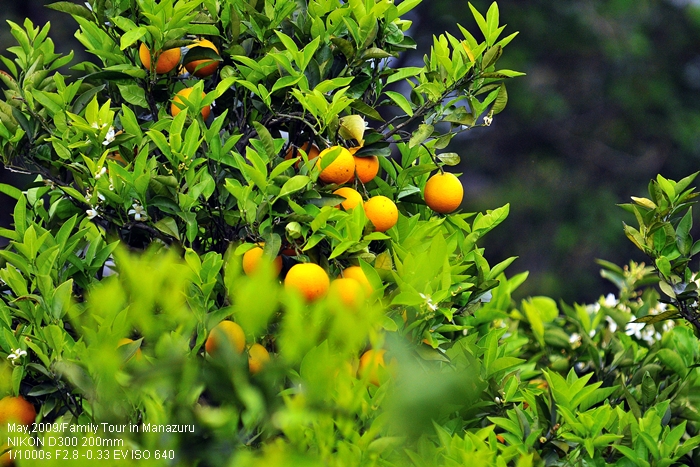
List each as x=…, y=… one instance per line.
x=356, y=272
x=16, y=409
x=258, y=357
x=309, y=279
x=209, y=66
x=352, y=197
x=370, y=362
x=382, y=212
x=366, y=168
x=252, y=258
x=293, y=151
x=349, y=291
x=185, y=94
x=443, y=192
x=341, y=170
x=225, y=330
x=167, y=60
x=125, y=340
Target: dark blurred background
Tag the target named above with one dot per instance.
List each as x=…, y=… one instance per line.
x=611, y=98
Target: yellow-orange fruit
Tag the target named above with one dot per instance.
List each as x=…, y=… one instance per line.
x=252, y=258
x=348, y=290
x=312, y=152
x=366, y=168
x=209, y=66
x=341, y=170
x=370, y=362
x=352, y=197
x=185, y=94
x=356, y=272
x=167, y=60
x=309, y=279
x=225, y=331
x=443, y=192
x=125, y=340
x=258, y=357
x=382, y=212
x=17, y=410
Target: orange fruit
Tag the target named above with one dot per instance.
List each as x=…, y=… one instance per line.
x=17, y=410
x=117, y=157
x=366, y=168
x=341, y=170
x=225, y=330
x=185, y=94
x=443, y=192
x=258, y=357
x=382, y=212
x=293, y=151
x=352, y=197
x=309, y=279
x=370, y=362
x=167, y=59
x=356, y=272
x=349, y=291
x=209, y=66
x=125, y=340
x=252, y=258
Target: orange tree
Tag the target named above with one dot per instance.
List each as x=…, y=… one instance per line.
x=205, y=158
x=237, y=254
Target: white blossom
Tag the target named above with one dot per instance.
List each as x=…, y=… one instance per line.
x=16, y=354
x=488, y=120
x=109, y=138
x=100, y=173
x=429, y=302
x=138, y=212
x=91, y=213
x=610, y=301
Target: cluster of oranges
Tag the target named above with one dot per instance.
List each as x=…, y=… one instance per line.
x=168, y=60
x=380, y=210
x=231, y=334
x=443, y=193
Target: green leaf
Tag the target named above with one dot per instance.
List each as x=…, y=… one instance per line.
x=501, y=100
x=664, y=266
x=168, y=226
x=130, y=37
x=673, y=361
x=648, y=389
x=133, y=94
x=72, y=9
x=491, y=56
x=369, y=111
x=375, y=52
x=683, y=239
x=10, y=191
x=266, y=138
x=423, y=132
x=666, y=186
x=651, y=319
x=449, y=158
x=400, y=100
x=294, y=184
